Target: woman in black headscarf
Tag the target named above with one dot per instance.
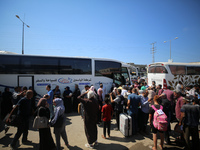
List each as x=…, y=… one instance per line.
x=67, y=99
x=46, y=140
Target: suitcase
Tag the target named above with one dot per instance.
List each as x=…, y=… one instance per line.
x=125, y=124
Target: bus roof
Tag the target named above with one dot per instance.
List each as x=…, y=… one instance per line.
x=24, y=55
x=175, y=63
x=6, y=52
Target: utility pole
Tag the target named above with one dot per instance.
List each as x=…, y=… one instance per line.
x=22, y=32
x=170, y=58
x=153, y=50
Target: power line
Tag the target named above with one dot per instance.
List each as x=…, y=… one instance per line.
x=153, y=50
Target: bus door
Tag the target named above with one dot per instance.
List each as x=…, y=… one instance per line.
x=26, y=81
x=117, y=78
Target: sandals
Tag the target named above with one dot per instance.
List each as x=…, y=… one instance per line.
x=102, y=137
x=90, y=145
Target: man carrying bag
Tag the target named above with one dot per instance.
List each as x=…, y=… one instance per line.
x=23, y=113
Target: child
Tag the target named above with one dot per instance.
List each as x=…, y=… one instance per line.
x=107, y=112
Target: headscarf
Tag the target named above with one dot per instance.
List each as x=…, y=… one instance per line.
x=90, y=94
x=42, y=102
x=114, y=90
x=58, y=110
x=92, y=89
x=68, y=91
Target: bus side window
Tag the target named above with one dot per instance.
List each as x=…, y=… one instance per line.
x=178, y=70
x=173, y=69
x=190, y=71
x=193, y=70
x=197, y=70
x=9, y=64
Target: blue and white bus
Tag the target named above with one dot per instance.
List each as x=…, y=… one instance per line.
x=39, y=71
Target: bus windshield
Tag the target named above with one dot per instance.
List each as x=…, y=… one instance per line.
x=157, y=69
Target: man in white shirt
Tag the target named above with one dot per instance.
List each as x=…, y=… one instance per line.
x=190, y=92
x=16, y=95
x=124, y=91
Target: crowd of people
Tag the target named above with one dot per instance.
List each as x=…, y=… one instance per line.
x=144, y=103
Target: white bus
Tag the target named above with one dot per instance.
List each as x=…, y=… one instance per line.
x=169, y=74
x=39, y=71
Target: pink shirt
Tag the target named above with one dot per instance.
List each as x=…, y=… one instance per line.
x=99, y=92
x=170, y=95
x=160, y=91
x=179, y=104
x=136, y=85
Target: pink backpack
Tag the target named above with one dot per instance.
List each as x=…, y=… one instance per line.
x=160, y=119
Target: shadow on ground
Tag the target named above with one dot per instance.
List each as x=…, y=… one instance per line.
x=140, y=146
x=6, y=140
x=111, y=146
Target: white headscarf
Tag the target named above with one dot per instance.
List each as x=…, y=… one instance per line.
x=90, y=94
x=92, y=89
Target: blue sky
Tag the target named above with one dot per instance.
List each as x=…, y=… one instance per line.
x=116, y=29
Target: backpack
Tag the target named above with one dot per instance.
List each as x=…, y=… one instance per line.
x=160, y=119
